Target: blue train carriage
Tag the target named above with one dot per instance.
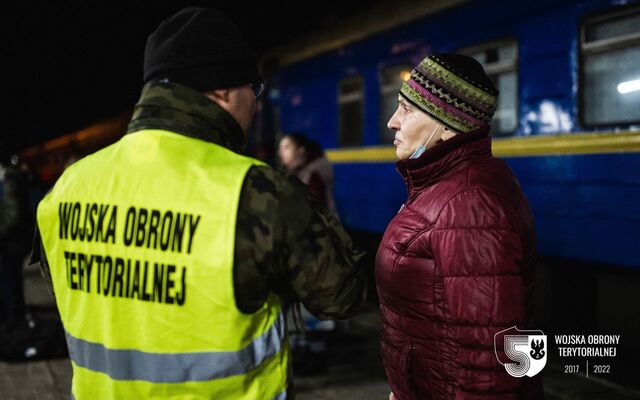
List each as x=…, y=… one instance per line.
x=568, y=119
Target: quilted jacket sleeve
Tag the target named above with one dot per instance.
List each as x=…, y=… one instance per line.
x=479, y=245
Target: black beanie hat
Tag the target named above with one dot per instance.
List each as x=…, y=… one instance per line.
x=200, y=48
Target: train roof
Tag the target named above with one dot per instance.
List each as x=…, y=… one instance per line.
x=366, y=23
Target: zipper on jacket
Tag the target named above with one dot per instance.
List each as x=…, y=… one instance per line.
x=408, y=370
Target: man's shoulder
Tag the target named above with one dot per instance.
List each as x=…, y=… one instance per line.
x=268, y=197
x=261, y=195
x=265, y=180
x=262, y=180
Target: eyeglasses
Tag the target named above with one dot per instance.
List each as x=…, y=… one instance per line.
x=258, y=88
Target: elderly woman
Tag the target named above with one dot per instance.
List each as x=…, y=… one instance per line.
x=456, y=264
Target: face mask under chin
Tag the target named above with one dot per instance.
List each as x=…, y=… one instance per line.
x=423, y=147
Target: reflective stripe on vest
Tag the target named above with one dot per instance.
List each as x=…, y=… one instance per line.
x=137, y=365
x=140, y=241
x=280, y=396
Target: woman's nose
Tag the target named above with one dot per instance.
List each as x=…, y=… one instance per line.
x=394, y=122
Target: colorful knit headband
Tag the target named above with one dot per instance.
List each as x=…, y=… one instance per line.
x=453, y=89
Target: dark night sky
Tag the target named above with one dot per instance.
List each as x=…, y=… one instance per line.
x=71, y=63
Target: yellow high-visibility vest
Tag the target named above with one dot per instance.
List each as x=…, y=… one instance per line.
x=140, y=239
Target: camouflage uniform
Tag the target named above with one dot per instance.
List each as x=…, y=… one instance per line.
x=285, y=241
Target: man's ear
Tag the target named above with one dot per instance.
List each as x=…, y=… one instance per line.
x=218, y=95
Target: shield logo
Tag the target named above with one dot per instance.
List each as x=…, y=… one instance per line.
x=523, y=353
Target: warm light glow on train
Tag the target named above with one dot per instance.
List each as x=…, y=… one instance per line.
x=405, y=75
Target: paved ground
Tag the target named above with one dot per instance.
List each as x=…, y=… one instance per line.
x=354, y=371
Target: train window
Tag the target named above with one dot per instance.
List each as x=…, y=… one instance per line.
x=500, y=62
x=391, y=79
x=350, y=111
x=610, y=49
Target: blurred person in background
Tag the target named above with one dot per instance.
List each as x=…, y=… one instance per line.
x=16, y=225
x=21, y=336
x=305, y=159
x=456, y=264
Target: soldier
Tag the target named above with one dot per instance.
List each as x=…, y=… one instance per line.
x=171, y=254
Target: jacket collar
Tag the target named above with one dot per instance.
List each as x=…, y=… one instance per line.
x=179, y=109
x=448, y=156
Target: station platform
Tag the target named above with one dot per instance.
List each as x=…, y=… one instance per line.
x=354, y=368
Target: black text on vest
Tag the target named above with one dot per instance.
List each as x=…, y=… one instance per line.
x=97, y=222
x=126, y=278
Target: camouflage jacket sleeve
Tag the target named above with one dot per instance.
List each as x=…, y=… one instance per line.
x=288, y=243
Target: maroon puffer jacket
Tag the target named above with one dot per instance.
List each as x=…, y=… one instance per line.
x=454, y=267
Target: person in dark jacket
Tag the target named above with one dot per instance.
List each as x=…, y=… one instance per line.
x=15, y=236
x=456, y=264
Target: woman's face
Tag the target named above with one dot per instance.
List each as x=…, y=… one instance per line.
x=291, y=155
x=413, y=128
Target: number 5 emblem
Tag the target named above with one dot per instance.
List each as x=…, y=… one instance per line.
x=521, y=352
